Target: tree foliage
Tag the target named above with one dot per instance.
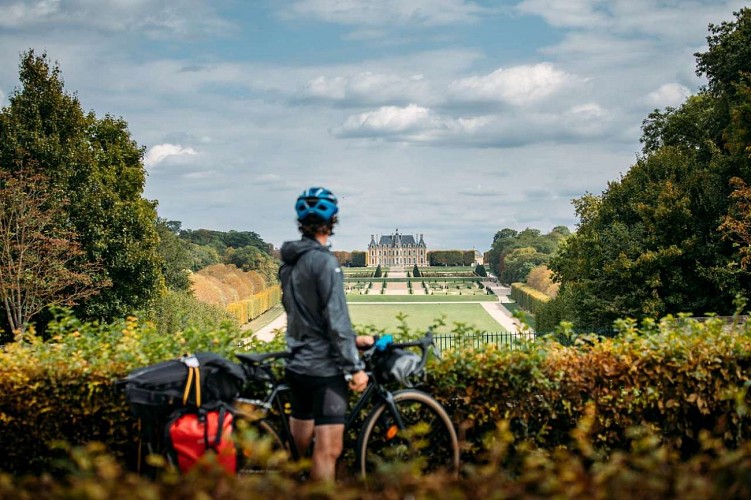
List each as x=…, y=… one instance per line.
x=670, y=235
x=243, y=249
x=515, y=253
x=176, y=255
x=451, y=257
x=41, y=262
x=359, y=259
x=97, y=167
x=221, y=240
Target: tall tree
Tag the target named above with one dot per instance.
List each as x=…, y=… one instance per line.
x=41, y=261
x=515, y=253
x=98, y=167
x=654, y=242
x=176, y=255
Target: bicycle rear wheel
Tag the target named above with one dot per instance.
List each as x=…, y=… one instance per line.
x=260, y=449
x=429, y=436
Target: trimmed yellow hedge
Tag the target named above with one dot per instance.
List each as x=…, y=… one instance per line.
x=249, y=309
x=527, y=297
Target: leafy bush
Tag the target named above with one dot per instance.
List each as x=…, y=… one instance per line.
x=682, y=382
x=64, y=388
x=678, y=378
x=647, y=470
x=176, y=310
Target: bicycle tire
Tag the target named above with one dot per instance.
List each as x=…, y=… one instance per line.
x=437, y=446
x=260, y=448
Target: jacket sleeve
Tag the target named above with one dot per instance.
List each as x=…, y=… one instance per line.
x=336, y=314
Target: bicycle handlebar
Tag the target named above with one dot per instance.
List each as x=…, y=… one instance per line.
x=424, y=343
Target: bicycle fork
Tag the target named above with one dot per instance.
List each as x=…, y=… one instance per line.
x=391, y=405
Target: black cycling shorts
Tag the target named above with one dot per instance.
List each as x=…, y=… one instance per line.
x=322, y=399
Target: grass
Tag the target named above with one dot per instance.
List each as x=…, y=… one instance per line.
x=376, y=297
x=421, y=316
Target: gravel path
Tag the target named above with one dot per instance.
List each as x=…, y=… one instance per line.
x=269, y=331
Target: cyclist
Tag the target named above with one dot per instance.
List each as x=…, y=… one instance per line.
x=323, y=346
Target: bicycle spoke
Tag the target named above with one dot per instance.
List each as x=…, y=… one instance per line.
x=427, y=441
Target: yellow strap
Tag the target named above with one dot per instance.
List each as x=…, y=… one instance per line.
x=187, y=386
x=198, y=386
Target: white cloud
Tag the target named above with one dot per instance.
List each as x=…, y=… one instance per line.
x=160, y=152
x=203, y=174
x=367, y=87
x=670, y=94
x=412, y=122
x=21, y=13
x=518, y=85
x=670, y=20
x=392, y=119
x=568, y=13
x=159, y=18
x=387, y=12
x=480, y=190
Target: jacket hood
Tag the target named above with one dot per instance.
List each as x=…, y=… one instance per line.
x=292, y=250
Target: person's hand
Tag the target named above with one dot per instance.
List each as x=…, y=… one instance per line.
x=359, y=381
x=364, y=341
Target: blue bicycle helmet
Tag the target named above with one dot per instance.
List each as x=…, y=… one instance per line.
x=316, y=201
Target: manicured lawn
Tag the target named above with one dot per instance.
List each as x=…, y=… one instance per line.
x=377, y=297
x=421, y=316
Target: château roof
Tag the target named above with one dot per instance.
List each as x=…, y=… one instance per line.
x=406, y=239
x=397, y=239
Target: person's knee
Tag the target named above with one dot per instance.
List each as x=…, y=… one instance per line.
x=329, y=441
x=329, y=450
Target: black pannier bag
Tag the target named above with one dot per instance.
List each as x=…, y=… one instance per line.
x=201, y=382
x=182, y=382
x=398, y=366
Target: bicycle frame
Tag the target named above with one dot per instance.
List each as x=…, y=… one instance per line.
x=372, y=396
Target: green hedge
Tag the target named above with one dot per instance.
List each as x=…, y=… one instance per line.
x=63, y=389
x=678, y=380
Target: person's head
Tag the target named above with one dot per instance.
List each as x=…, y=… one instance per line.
x=316, y=211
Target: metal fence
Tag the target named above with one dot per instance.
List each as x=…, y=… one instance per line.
x=477, y=340
x=514, y=340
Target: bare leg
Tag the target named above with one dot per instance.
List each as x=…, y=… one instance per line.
x=328, y=447
x=302, y=433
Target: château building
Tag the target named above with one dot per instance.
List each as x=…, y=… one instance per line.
x=397, y=250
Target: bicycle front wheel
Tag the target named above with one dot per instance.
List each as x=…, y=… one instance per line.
x=429, y=436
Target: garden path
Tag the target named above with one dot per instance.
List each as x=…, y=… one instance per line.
x=269, y=331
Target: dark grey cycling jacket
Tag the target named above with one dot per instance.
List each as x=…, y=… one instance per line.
x=319, y=332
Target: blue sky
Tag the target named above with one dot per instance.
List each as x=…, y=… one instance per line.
x=451, y=118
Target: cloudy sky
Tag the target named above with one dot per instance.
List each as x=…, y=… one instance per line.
x=452, y=118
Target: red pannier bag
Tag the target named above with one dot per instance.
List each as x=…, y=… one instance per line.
x=191, y=435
